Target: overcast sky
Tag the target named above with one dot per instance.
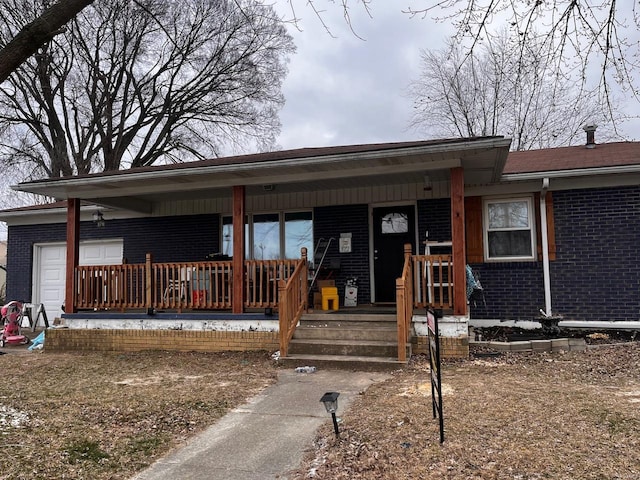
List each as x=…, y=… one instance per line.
x=346, y=90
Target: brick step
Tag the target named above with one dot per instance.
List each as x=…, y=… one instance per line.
x=342, y=362
x=358, y=348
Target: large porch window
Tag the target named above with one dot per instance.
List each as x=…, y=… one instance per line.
x=271, y=236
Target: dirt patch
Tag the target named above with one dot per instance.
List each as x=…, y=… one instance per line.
x=516, y=416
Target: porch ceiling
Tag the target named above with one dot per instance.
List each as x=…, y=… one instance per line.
x=138, y=189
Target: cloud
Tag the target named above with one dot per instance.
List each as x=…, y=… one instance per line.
x=342, y=89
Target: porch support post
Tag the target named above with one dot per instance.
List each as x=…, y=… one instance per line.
x=73, y=253
x=458, y=242
x=238, y=249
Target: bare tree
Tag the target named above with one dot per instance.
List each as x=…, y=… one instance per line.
x=128, y=84
x=589, y=37
x=490, y=93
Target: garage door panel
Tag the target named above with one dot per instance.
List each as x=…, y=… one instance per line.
x=113, y=253
x=52, y=275
x=54, y=255
x=51, y=295
x=90, y=254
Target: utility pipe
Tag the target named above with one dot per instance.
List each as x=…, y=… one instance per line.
x=545, y=247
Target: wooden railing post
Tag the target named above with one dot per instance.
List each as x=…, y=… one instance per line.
x=305, y=279
x=401, y=314
x=149, y=281
x=283, y=317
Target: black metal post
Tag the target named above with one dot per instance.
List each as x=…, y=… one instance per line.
x=335, y=424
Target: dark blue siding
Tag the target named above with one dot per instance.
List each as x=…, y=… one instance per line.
x=330, y=222
x=168, y=239
x=434, y=216
x=597, y=272
x=512, y=291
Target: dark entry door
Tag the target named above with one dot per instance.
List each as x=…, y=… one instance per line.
x=393, y=227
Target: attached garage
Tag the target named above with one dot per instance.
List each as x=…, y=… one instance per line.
x=49, y=264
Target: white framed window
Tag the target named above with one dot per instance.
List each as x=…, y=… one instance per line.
x=270, y=236
x=509, y=229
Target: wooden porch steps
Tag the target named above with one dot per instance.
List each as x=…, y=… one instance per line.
x=344, y=340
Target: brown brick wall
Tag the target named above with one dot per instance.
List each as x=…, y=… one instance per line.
x=175, y=340
x=450, y=347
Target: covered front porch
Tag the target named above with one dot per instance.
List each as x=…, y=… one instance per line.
x=195, y=291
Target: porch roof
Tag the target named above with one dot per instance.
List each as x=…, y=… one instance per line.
x=307, y=169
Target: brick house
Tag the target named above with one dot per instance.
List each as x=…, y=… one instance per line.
x=545, y=229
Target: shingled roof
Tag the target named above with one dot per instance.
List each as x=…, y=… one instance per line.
x=573, y=158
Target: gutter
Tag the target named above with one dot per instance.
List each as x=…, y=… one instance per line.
x=545, y=247
x=578, y=172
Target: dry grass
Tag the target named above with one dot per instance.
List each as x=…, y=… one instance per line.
x=96, y=416
x=526, y=416
x=521, y=416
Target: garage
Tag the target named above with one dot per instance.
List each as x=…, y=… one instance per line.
x=49, y=260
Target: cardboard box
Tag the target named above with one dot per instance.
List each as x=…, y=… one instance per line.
x=317, y=301
x=325, y=283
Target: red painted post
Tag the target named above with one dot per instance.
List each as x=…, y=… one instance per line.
x=458, y=242
x=73, y=253
x=238, y=279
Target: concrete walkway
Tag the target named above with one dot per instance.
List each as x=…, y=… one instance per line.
x=267, y=437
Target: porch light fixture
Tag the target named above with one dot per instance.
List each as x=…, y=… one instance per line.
x=98, y=219
x=330, y=400
x=427, y=187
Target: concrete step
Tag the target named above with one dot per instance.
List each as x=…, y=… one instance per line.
x=358, y=348
x=342, y=362
x=364, y=319
x=348, y=332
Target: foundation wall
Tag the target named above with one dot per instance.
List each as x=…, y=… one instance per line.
x=62, y=340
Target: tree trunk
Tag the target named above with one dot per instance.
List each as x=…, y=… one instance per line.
x=37, y=33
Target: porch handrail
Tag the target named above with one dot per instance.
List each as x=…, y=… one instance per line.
x=404, y=304
x=293, y=301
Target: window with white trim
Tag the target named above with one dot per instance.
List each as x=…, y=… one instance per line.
x=509, y=232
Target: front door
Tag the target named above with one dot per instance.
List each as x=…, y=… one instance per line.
x=393, y=227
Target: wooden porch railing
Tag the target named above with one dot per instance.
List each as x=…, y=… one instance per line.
x=263, y=277
x=110, y=287
x=294, y=296
x=433, y=281
x=179, y=286
x=426, y=281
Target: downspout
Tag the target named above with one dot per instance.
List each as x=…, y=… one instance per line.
x=545, y=247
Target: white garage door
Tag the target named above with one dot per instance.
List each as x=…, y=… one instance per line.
x=50, y=267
